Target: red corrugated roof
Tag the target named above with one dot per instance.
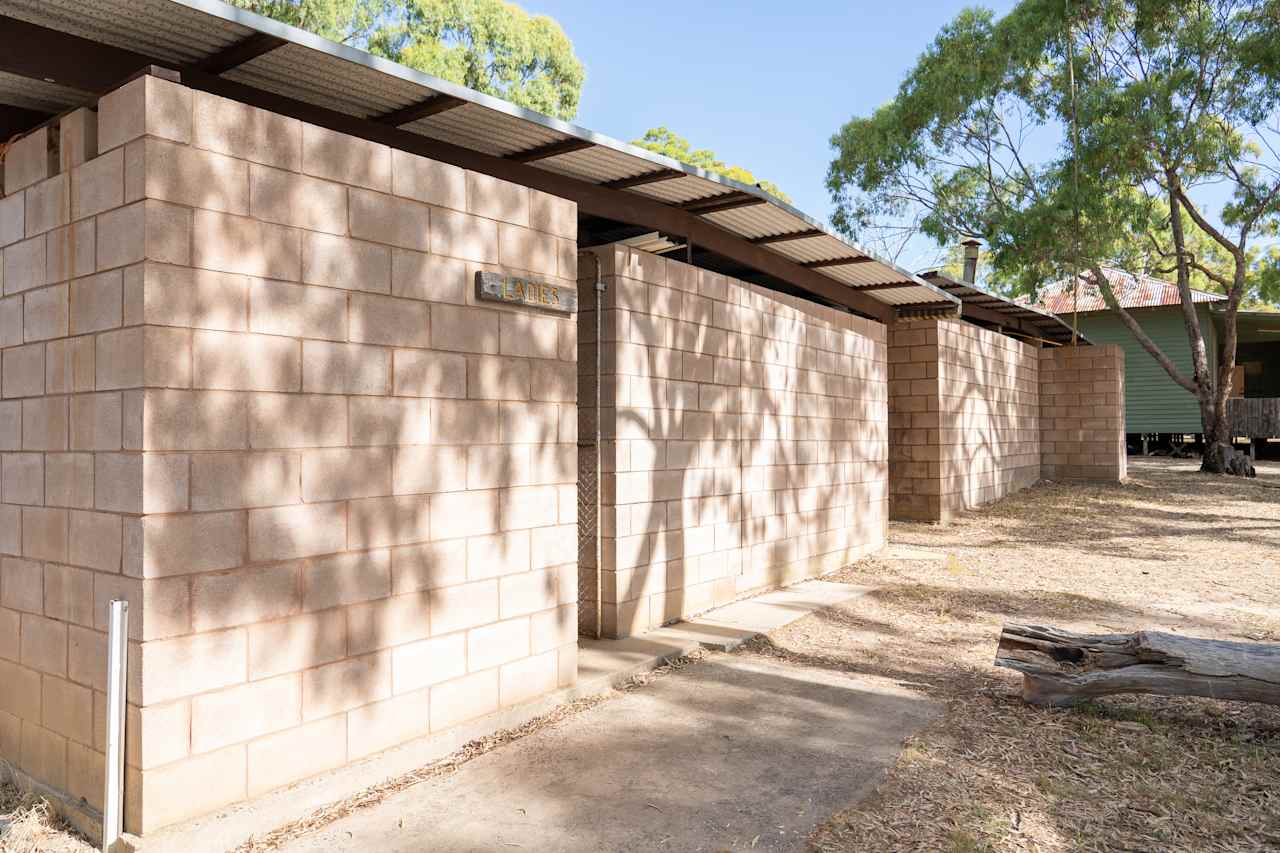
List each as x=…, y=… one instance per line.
x=1131, y=292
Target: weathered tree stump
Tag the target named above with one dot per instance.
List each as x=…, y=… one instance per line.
x=1062, y=668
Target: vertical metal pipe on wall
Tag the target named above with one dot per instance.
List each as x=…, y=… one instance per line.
x=117, y=670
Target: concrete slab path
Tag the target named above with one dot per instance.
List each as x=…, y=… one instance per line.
x=734, y=753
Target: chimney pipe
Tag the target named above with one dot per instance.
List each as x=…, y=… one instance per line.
x=971, y=248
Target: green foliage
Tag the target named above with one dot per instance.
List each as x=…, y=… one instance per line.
x=663, y=141
x=344, y=21
x=1172, y=96
x=487, y=45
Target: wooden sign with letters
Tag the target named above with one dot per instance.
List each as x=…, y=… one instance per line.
x=513, y=289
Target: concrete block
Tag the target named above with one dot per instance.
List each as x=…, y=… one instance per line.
x=466, y=422
x=389, y=320
x=416, y=275
x=188, y=544
x=245, y=132
x=236, y=244
x=428, y=662
x=297, y=643
x=340, y=473
x=494, y=198
x=69, y=480
x=420, y=373
x=97, y=302
x=387, y=420
x=195, y=178
x=553, y=215
x=146, y=230
x=27, y=161
x=44, y=755
x=523, y=680
x=388, y=723
x=463, y=699
x=298, y=753
x=77, y=138
x=335, y=368
x=68, y=709
x=48, y=205
x=428, y=181
x=243, y=480
x=44, y=645
x=45, y=313
x=192, y=787
x=388, y=219
x=345, y=159
x=185, y=666
x=23, y=700
x=346, y=684
x=12, y=218
x=23, y=585
x=180, y=296
x=71, y=251
x=95, y=540
x=335, y=261
x=10, y=320
x=44, y=534
x=98, y=184
x=244, y=596
x=238, y=362
x=387, y=622
x=526, y=593
x=24, y=265
x=428, y=565
x=23, y=371
x=456, y=514
x=282, y=533
x=145, y=106
x=468, y=238
x=286, y=198
x=292, y=420
x=192, y=420
x=244, y=712
x=23, y=475
x=457, y=608
x=428, y=469
x=279, y=308
x=396, y=520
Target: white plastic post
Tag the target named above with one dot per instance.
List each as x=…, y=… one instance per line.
x=117, y=670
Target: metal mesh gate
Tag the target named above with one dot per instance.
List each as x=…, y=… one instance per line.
x=588, y=461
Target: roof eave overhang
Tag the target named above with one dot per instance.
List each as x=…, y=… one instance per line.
x=40, y=53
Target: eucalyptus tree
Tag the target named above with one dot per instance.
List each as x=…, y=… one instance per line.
x=491, y=46
x=1072, y=135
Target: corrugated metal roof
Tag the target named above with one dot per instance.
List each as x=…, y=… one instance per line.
x=1131, y=292
x=310, y=69
x=1026, y=319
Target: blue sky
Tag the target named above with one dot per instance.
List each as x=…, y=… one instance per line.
x=763, y=84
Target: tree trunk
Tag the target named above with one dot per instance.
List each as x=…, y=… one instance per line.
x=1063, y=668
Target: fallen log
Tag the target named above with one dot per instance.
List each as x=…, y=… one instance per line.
x=1063, y=668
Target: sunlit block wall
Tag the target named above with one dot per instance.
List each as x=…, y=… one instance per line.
x=247, y=385
x=1082, y=413
x=745, y=438
x=964, y=418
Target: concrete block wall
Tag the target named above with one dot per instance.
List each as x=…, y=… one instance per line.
x=1082, y=413
x=964, y=417
x=745, y=438
x=248, y=387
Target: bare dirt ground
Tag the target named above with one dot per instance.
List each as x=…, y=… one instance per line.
x=1170, y=549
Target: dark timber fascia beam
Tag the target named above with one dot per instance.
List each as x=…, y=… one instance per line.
x=721, y=203
x=92, y=66
x=788, y=237
x=646, y=178
x=554, y=149
x=28, y=50
x=835, y=262
x=245, y=50
x=422, y=109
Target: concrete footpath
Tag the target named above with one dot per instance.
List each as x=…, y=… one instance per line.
x=734, y=753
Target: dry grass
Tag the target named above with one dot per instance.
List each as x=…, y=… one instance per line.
x=1170, y=549
x=28, y=824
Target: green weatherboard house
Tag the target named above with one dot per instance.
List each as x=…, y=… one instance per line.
x=1154, y=404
